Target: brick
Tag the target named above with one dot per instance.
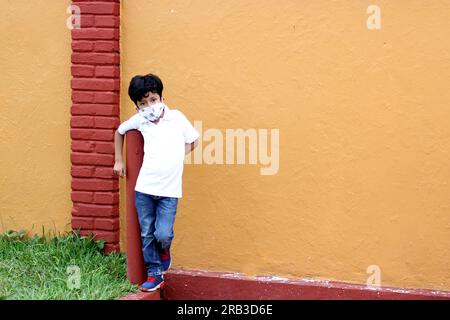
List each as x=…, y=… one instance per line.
x=106, y=122
x=95, y=109
x=105, y=172
x=106, y=21
x=103, y=7
x=82, y=196
x=95, y=34
x=82, y=122
x=86, y=21
x=106, y=197
x=95, y=58
x=82, y=223
x=86, y=233
x=92, y=159
x=106, y=97
x=110, y=237
x=106, y=224
x=82, y=96
x=83, y=71
x=83, y=146
x=107, y=71
x=106, y=46
x=95, y=210
x=82, y=171
x=82, y=46
x=104, y=147
x=92, y=134
x=111, y=248
x=80, y=184
x=96, y=84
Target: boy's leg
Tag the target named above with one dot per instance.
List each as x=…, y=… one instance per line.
x=146, y=207
x=165, y=219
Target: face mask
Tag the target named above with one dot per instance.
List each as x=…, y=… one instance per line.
x=153, y=112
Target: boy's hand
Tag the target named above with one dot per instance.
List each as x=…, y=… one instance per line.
x=119, y=168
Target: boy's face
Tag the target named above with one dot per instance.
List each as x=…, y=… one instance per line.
x=148, y=99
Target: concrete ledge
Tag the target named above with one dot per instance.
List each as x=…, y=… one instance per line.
x=201, y=285
x=142, y=296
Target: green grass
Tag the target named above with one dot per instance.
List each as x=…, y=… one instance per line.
x=45, y=268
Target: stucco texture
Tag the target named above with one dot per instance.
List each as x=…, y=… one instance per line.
x=364, y=137
x=35, y=116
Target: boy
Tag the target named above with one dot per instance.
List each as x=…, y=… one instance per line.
x=168, y=137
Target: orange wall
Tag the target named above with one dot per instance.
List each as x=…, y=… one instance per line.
x=35, y=116
x=362, y=115
x=364, y=135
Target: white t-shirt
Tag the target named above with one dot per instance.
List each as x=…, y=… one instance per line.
x=164, y=151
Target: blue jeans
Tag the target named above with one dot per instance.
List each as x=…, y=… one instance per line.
x=156, y=216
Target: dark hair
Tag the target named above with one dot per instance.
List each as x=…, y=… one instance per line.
x=140, y=85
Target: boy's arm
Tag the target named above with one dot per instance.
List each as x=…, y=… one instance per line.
x=119, y=166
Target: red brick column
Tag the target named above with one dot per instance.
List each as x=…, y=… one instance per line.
x=94, y=118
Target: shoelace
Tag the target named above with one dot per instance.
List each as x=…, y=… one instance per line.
x=153, y=279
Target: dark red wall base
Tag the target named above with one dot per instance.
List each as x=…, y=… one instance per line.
x=199, y=285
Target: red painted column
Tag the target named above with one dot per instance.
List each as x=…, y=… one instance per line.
x=134, y=158
x=94, y=118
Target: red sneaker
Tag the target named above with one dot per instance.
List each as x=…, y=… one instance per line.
x=152, y=284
